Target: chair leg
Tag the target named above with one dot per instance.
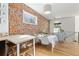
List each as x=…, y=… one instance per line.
x=52, y=47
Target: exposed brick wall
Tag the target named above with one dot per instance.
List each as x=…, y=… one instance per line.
x=16, y=24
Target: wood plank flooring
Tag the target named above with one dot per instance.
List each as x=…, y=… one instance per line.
x=46, y=51
x=61, y=49
x=71, y=48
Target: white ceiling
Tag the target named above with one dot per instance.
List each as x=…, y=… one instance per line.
x=58, y=9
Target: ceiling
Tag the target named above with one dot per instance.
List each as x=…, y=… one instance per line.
x=58, y=9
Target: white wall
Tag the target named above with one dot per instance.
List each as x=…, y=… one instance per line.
x=68, y=25
x=76, y=23
x=51, y=26
x=4, y=21
x=76, y=27
x=76, y=36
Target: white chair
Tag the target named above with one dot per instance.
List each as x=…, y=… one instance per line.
x=50, y=39
x=44, y=40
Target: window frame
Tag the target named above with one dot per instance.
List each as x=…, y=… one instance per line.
x=31, y=15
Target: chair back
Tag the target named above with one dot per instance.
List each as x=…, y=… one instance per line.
x=44, y=40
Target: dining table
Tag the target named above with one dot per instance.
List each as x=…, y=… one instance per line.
x=18, y=39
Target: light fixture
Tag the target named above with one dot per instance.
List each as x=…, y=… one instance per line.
x=47, y=9
x=47, y=12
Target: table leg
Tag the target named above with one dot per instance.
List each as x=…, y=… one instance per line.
x=52, y=47
x=34, y=47
x=18, y=49
x=6, y=48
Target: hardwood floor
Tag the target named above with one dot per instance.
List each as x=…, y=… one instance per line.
x=61, y=49
x=46, y=51
x=71, y=48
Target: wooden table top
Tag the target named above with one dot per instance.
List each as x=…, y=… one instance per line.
x=17, y=38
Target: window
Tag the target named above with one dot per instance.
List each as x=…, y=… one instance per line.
x=57, y=26
x=56, y=30
x=29, y=18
